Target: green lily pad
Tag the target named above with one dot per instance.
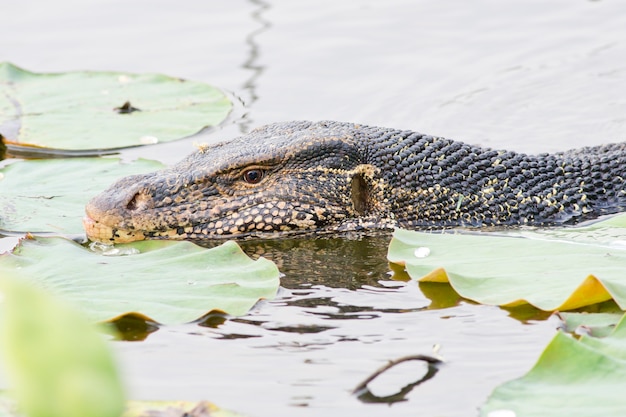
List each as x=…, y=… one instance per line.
x=134, y=408
x=103, y=110
x=175, y=408
x=550, y=274
x=58, y=365
x=594, y=324
x=571, y=378
x=49, y=195
x=169, y=282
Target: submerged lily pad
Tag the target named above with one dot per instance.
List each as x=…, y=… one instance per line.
x=169, y=282
x=571, y=378
x=50, y=195
x=550, y=274
x=89, y=110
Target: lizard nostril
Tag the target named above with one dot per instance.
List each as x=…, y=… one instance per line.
x=140, y=201
x=132, y=204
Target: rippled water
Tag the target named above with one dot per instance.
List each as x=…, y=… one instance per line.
x=528, y=75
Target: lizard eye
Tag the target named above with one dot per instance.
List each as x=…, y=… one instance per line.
x=253, y=176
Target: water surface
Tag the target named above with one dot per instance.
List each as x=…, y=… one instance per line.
x=532, y=76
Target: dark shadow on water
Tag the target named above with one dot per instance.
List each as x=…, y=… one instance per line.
x=299, y=329
x=133, y=327
x=441, y=295
x=364, y=393
x=332, y=262
x=213, y=320
x=314, y=269
x=3, y=149
x=345, y=311
x=368, y=397
x=527, y=313
x=609, y=306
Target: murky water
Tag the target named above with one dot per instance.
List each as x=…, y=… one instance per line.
x=528, y=75
x=339, y=318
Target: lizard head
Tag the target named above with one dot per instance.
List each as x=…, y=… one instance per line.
x=281, y=179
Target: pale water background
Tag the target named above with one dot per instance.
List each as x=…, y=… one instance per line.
x=533, y=76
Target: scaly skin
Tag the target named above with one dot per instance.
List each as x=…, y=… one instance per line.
x=331, y=177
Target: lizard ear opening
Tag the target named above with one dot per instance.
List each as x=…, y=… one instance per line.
x=359, y=193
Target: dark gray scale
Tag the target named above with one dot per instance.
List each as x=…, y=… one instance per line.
x=450, y=183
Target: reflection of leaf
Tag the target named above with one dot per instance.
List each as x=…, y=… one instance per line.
x=59, y=366
x=170, y=282
x=510, y=271
x=572, y=378
x=77, y=110
x=133, y=327
x=50, y=195
x=441, y=295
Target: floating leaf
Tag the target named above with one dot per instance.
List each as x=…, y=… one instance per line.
x=510, y=271
x=572, y=378
x=103, y=110
x=49, y=195
x=175, y=409
x=8, y=408
x=58, y=365
x=596, y=324
x=169, y=282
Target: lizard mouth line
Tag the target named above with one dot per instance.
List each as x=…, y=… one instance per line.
x=106, y=234
x=97, y=230
x=100, y=232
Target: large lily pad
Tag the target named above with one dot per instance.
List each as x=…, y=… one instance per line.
x=572, y=378
x=169, y=282
x=8, y=408
x=103, y=110
x=549, y=273
x=176, y=408
x=50, y=195
x=59, y=366
x=594, y=324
